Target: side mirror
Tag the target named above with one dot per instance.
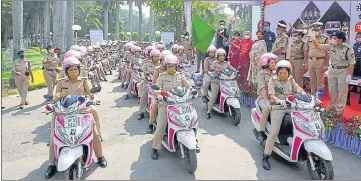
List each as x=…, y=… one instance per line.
x=81, y=99
x=95, y=90
x=92, y=69
x=194, y=92
x=155, y=87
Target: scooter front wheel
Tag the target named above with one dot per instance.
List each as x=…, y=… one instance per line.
x=236, y=115
x=190, y=159
x=323, y=168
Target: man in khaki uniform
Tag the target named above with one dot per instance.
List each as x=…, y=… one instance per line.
x=342, y=61
x=280, y=46
x=22, y=70
x=75, y=85
x=134, y=59
x=297, y=57
x=217, y=66
x=50, y=71
x=316, y=60
x=188, y=47
x=206, y=75
x=304, y=29
x=284, y=82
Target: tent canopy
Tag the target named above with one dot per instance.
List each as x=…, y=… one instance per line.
x=256, y=2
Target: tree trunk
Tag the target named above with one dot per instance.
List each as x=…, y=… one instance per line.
x=130, y=19
x=106, y=9
x=47, y=23
x=70, y=23
x=151, y=24
x=6, y=41
x=117, y=20
x=56, y=23
x=17, y=12
x=140, y=21
x=36, y=29
x=63, y=40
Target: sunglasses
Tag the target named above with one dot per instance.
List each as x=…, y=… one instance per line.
x=221, y=24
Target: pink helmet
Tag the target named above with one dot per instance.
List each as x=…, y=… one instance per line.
x=136, y=49
x=69, y=53
x=170, y=60
x=265, y=58
x=83, y=50
x=180, y=47
x=77, y=55
x=164, y=53
x=147, y=50
x=70, y=61
x=160, y=46
x=220, y=51
x=175, y=46
x=154, y=52
x=75, y=47
x=284, y=64
x=90, y=49
x=211, y=49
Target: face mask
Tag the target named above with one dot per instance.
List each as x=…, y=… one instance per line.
x=222, y=26
x=305, y=31
x=155, y=59
x=272, y=66
x=137, y=54
x=171, y=70
x=266, y=28
x=317, y=33
x=22, y=56
x=73, y=74
x=359, y=40
x=246, y=36
x=283, y=77
x=221, y=58
x=260, y=37
x=51, y=51
x=333, y=42
x=180, y=52
x=211, y=54
x=187, y=37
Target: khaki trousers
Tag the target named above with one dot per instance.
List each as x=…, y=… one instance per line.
x=215, y=89
x=100, y=72
x=128, y=76
x=153, y=113
x=207, y=83
x=97, y=146
x=143, y=93
x=265, y=113
x=297, y=72
x=337, y=84
x=22, y=84
x=276, y=122
x=129, y=89
x=161, y=125
x=50, y=78
x=316, y=76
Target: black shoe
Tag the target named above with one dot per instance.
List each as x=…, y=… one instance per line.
x=102, y=162
x=204, y=99
x=118, y=78
x=50, y=171
x=126, y=86
x=111, y=73
x=150, y=129
x=26, y=103
x=122, y=86
x=261, y=136
x=208, y=116
x=265, y=163
x=197, y=72
x=105, y=80
x=126, y=97
x=21, y=106
x=2, y=107
x=141, y=116
x=154, y=154
x=198, y=150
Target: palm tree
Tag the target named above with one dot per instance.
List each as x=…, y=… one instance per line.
x=140, y=4
x=17, y=11
x=6, y=20
x=87, y=16
x=151, y=24
x=117, y=19
x=130, y=3
x=106, y=9
x=63, y=40
x=70, y=23
x=56, y=23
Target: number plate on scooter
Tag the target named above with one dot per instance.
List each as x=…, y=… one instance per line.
x=186, y=109
x=72, y=122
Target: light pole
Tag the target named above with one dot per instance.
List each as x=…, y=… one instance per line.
x=128, y=33
x=76, y=28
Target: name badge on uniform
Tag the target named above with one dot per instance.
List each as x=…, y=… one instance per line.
x=359, y=49
x=166, y=80
x=64, y=88
x=270, y=38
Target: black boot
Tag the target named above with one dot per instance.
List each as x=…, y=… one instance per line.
x=102, y=162
x=111, y=73
x=154, y=154
x=198, y=150
x=122, y=86
x=265, y=163
x=204, y=99
x=126, y=97
x=261, y=136
x=50, y=171
x=141, y=116
x=126, y=86
x=150, y=129
x=208, y=116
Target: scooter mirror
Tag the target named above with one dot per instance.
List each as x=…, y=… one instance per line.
x=321, y=89
x=194, y=92
x=92, y=69
x=81, y=99
x=155, y=87
x=95, y=89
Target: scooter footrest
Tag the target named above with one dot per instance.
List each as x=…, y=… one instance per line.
x=284, y=148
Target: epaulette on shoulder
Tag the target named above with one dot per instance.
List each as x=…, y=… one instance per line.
x=164, y=73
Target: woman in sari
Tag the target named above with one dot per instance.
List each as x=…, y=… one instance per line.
x=259, y=48
x=234, y=54
x=243, y=65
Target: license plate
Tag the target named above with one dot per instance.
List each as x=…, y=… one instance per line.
x=72, y=122
x=315, y=116
x=186, y=109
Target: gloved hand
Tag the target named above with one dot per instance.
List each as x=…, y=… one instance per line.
x=348, y=79
x=312, y=35
x=281, y=102
x=213, y=76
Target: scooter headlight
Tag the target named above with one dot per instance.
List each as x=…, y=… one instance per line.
x=305, y=127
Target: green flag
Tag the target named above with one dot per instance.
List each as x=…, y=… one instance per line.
x=202, y=34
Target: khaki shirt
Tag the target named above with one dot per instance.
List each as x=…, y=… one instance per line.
x=281, y=42
x=297, y=49
x=263, y=78
x=149, y=66
x=338, y=55
x=167, y=82
x=158, y=70
x=80, y=87
x=52, y=61
x=85, y=62
x=21, y=66
x=313, y=51
x=208, y=62
x=289, y=87
x=217, y=66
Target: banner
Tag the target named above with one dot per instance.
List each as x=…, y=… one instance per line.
x=96, y=36
x=167, y=37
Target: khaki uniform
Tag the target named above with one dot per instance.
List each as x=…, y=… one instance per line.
x=188, y=49
x=340, y=60
x=316, y=61
x=289, y=87
x=207, y=78
x=217, y=66
x=281, y=42
x=143, y=88
x=297, y=59
x=158, y=70
x=182, y=57
x=80, y=87
x=259, y=47
x=22, y=81
x=166, y=82
x=84, y=66
x=263, y=78
x=49, y=72
x=129, y=76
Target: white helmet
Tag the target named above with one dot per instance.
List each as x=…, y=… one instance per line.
x=284, y=64
x=70, y=61
x=75, y=47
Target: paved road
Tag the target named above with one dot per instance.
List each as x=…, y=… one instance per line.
x=227, y=151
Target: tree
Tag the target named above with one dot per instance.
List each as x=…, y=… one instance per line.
x=70, y=23
x=87, y=16
x=130, y=3
x=105, y=11
x=140, y=4
x=6, y=21
x=47, y=23
x=117, y=19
